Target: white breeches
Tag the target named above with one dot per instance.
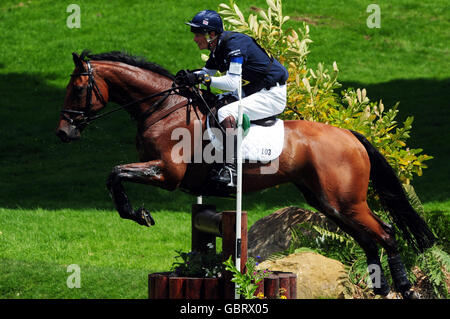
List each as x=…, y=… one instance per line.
x=259, y=105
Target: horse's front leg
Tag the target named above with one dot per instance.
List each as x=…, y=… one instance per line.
x=151, y=173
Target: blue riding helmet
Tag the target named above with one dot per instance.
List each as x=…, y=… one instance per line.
x=206, y=21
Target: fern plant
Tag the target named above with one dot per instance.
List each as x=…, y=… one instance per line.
x=435, y=263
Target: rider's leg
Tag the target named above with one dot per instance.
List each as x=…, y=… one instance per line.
x=227, y=175
x=259, y=105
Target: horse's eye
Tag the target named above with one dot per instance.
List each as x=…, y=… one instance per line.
x=78, y=91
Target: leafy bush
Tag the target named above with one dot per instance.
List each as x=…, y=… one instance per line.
x=197, y=264
x=312, y=95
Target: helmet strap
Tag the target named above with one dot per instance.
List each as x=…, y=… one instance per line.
x=211, y=40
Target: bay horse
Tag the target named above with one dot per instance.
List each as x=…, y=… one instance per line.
x=329, y=165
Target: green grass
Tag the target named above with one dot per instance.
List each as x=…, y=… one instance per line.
x=38, y=245
x=54, y=207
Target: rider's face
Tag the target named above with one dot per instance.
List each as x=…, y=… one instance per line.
x=201, y=41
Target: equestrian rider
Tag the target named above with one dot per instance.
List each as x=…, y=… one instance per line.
x=264, y=78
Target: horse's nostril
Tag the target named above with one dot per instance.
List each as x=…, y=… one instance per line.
x=62, y=135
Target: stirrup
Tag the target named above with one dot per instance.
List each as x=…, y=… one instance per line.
x=219, y=177
x=230, y=172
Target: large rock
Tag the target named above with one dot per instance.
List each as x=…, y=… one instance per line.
x=273, y=233
x=317, y=276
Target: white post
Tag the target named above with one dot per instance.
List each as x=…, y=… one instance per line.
x=239, y=177
x=199, y=199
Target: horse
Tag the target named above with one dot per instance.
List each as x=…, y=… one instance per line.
x=330, y=166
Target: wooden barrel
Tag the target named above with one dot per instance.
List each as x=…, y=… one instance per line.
x=193, y=288
x=279, y=284
x=207, y=224
x=285, y=286
x=167, y=286
x=177, y=287
x=212, y=288
x=158, y=284
x=271, y=286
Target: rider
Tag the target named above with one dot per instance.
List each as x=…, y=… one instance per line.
x=264, y=78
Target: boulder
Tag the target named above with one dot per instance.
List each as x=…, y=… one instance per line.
x=272, y=234
x=317, y=276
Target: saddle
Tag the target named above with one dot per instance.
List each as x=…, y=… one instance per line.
x=263, y=143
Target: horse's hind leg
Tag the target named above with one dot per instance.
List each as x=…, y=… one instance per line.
x=379, y=282
x=345, y=203
x=384, y=234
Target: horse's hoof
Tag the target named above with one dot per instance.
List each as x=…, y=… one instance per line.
x=143, y=217
x=384, y=290
x=410, y=294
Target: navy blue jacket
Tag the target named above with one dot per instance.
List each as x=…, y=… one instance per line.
x=258, y=69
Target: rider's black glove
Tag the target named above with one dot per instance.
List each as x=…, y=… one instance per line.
x=185, y=77
x=180, y=77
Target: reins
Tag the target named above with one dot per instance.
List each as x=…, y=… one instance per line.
x=92, y=87
x=166, y=94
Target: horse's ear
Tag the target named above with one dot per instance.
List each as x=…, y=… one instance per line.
x=77, y=60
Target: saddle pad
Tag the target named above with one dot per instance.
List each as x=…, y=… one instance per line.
x=262, y=144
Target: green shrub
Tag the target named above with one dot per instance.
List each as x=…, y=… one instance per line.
x=246, y=282
x=312, y=93
x=199, y=264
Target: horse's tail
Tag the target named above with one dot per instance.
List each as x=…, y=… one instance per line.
x=393, y=198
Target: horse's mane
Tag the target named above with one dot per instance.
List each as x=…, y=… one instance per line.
x=120, y=56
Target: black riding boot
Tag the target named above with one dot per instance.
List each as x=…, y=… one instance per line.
x=227, y=174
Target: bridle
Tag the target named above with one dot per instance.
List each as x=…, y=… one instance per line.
x=86, y=116
x=92, y=87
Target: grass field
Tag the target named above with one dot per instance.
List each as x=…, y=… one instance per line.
x=54, y=207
